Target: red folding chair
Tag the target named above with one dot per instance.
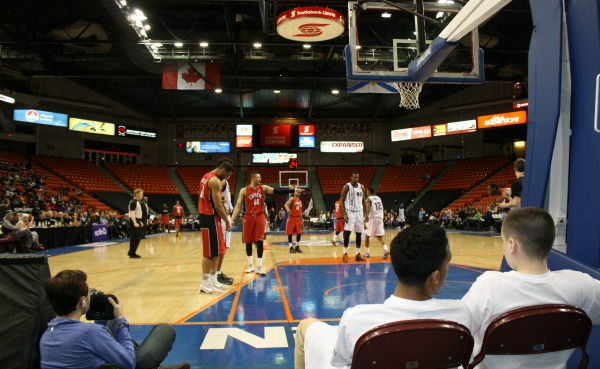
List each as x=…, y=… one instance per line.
x=537, y=330
x=421, y=343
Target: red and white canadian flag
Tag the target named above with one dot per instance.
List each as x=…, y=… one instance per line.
x=191, y=76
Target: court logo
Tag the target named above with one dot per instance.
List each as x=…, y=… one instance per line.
x=311, y=30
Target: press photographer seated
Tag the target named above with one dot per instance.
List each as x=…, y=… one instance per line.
x=70, y=343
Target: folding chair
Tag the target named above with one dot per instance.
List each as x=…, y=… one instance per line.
x=536, y=330
x=421, y=343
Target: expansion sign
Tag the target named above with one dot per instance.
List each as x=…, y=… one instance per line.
x=411, y=133
x=342, y=146
x=502, y=119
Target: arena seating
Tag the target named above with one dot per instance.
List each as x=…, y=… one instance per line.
x=333, y=179
x=408, y=178
x=465, y=174
x=152, y=179
x=478, y=196
x=83, y=174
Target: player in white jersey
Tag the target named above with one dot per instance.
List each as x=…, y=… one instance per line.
x=228, y=205
x=374, y=222
x=353, y=204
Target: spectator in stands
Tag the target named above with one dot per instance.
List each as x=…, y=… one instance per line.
x=420, y=257
x=517, y=186
x=125, y=224
x=85, y=218
x=10, y=230
x=527, y=238
x=70, y=343
x=422, y=214
x=41, y=221
x=75, y=221
x=25, y=223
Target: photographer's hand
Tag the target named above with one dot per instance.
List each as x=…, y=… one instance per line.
x=118, y=308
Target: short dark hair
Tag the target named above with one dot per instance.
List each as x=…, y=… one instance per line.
x=227, y=165
x=65, y=289
x=417, y=252
x=224, y=159
x=520, y=165
x=533, y=228
x=253, y=174
x=372, y=190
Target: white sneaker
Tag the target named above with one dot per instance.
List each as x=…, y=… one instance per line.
x=207, y=287
x=366, y=255
x=260, y=271
x=386, y=254
x=250, y=268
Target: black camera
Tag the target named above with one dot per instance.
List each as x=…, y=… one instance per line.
x=100, y=308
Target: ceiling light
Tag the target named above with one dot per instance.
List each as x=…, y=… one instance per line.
x=7, y=99
x=204, y=44
x=218, y=90
x=306, y=46
x=276, y=91
x=358, y=47
x=439, y=15
x=257, y=45
x=386, y=15
x=335, y=92
x=147, y=27
x=519, y=144
x=123, y=3
x=178, y=44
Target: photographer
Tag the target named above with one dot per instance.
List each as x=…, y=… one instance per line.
x=70, y=343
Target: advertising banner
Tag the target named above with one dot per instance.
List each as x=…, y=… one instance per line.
x=342, y=146
x=275, y=135
x=502, y=119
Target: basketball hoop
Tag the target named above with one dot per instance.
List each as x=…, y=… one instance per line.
x=409, y=94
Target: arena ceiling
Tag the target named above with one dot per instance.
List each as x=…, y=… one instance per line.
x=92, y=43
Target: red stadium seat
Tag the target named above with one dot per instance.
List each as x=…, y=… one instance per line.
x=536, y=330
x=420, y=343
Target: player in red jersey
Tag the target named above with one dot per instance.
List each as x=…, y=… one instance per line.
x=211, y=211
x=177, y=214
x=253, y=197
x=339, y=222
x=294, y=221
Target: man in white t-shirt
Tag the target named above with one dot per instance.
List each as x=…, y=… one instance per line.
x=420, y=257
x=527, y=238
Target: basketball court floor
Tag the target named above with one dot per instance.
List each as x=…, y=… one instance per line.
x=251, y=325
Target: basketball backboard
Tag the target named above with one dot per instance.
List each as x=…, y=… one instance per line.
x=381, y=48
x=293, y=178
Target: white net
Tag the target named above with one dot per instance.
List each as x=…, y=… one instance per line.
x=409, y=94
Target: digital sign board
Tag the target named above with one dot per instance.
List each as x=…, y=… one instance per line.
x=411, y=133
x=41, y=117
x=273, y=158
x=275, y=135
x=306, y=142
x=129, y=131
x=91, y=126
x=204, y=147
x=243, y=129
x=502, y=119
x=454, y=128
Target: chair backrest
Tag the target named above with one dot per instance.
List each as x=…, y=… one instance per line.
x=421, y=343
x=536, y=330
